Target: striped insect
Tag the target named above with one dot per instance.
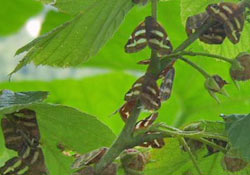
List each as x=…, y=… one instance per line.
x=20, y=127
x=147, y=91
x=157, y=143
x=30, y=162
x=150, y=33
x=146, y=123
x=213, y=35
x=89, y=158
x=126, y=110
x=231, y=15
x=21, y=134
x=167, y=84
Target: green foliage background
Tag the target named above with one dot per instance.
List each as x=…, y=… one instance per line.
x=101, y=95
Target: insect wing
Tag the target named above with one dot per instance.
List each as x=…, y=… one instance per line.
x=135, y=91
x=157, y=143
x=126, y=109
x=150, y=95
x=89, y=158
x=214, y=35
x=13, y=138
x=167, y=85
x=195, y=22
x=231, y=15
x=37, y=163
x=31, y=162
x=142, y=124
x=157, y=37
x=137, y=40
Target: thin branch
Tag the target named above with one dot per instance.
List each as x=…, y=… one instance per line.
x=189, y=53
x=198, y=68
x=184, y=143
x=166, y=62
x=214, y=145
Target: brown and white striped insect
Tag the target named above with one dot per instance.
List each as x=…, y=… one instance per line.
x=213, y=35
x=30, y=162
x=89, y=158
x=231, y=15
x=150, y=33
x=21, y=134
x=146, y=123
x=126, y=110
x=167, y=84
x=157, y=143
x=147, y=91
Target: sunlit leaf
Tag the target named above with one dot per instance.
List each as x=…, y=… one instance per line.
x=76, y=41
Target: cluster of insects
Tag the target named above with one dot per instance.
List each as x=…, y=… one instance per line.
x=21, y=134
x=21, y=131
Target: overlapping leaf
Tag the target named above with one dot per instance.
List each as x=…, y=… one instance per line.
x=76, y=41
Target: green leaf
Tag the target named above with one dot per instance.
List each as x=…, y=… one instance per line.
x=54, y=19
x=61, y=124
x=237, y=127
x=76, y=41
x=176, y=161
x=76, y=6
x=188, y=8
x=14, y=14
x=9, y=98
x=121, y=60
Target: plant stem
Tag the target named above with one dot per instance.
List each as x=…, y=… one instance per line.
x=213, y=145
x=181, y=53
x=125, y=139
x=154, y=65
x=154, y=8
x=198, y=68
x=184, y=143
x=166, y=62
x=121, y=143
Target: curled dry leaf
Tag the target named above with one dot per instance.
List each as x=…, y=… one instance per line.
x=234, y=164
x=241, y=73
x=215, y=84
x=133, y=159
